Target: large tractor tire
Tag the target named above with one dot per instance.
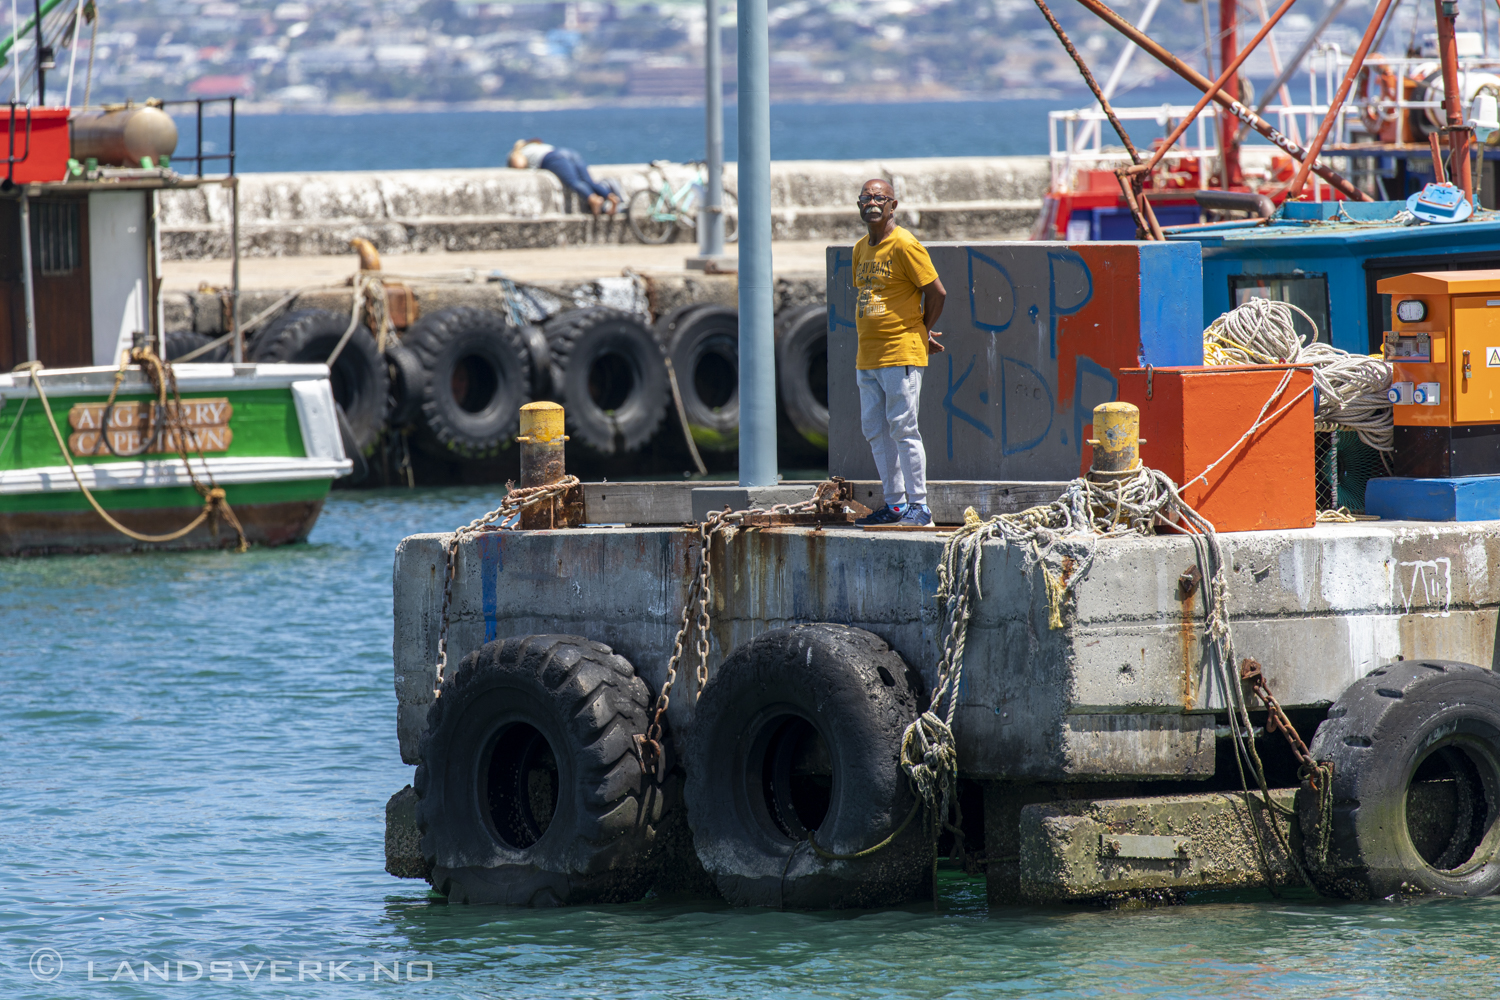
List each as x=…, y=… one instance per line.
x=802, y=371
x=531, y=790
x=478, y=376
x=358, y=374
x=612, y=382
x=796, y=740
x=703, y=341
x=1415, y=749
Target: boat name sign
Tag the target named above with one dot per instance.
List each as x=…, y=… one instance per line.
x=131, y=422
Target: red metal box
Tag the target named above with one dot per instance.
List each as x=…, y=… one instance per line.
x=34, y=150
x=1191, y=416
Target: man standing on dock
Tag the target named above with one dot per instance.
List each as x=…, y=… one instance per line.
x=898, y=299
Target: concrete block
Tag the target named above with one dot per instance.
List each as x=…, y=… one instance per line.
x=1123, y=691
x=496, y=208
x=1036, y=336
x=1087, y=849
x=403, y=842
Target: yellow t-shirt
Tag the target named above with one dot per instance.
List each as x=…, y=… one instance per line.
x=888, y=282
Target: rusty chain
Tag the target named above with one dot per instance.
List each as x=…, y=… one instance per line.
x=1317, y=774
x=830, y=498
x=516, y=500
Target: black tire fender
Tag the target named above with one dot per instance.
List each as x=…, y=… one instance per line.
x=783, y=709
x=358, y=374
x=613, y=384
x=531, y=790
x=540, y=355
x=478, y=376
x=1415, y=748
x=703, y=342
x=802, y=368
x=408, y=380
x=180, y=342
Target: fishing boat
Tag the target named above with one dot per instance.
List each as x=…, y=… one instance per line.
x=1378, y=117
x=103, y=444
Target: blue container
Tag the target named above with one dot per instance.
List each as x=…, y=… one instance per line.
x=1466, y=498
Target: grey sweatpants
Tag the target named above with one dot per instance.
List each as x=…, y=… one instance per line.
x=888, y=402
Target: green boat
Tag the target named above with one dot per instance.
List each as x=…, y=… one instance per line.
x=102, y=447
x=267, y=435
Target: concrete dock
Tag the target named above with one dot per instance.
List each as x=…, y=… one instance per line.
x=422, y=211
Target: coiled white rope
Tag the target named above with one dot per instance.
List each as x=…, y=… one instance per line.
x=1351, y=387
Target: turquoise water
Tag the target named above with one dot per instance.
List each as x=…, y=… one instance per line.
x=196, y=751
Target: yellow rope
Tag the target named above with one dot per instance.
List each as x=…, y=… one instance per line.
x=213, y=498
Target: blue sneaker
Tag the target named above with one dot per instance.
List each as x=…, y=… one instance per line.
x=885, y=515
x=916, y=515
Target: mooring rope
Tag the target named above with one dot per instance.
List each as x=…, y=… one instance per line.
x=1130, y=505
x=1351, y=387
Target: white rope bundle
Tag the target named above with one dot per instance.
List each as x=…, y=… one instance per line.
x=1351, y=387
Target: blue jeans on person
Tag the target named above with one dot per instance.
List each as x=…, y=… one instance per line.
x=573, y=172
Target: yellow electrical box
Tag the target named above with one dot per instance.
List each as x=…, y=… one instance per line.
x=1444, y=344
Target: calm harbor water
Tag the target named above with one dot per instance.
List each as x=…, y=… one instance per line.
x=445, y=139
x=196, y=751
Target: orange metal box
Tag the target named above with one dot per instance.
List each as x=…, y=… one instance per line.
x=1191, y=416
x=34, y=151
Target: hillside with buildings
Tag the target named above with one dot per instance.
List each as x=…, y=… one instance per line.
x=356, y=52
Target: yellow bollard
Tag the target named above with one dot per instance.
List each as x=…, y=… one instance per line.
x=541, y=441
x=542, y=461
x=1116, y=441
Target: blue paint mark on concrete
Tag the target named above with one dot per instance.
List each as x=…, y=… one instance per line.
x=953, y=411
x=1084, y=413
x=1000, y=314
x=1070, y=262
x=984, y=397
x=491, y=563
x=1006, y=448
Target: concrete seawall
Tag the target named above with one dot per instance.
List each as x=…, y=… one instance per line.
x=415, y=211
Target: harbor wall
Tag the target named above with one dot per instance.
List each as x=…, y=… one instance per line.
x=420, y=211
x=1125, y=690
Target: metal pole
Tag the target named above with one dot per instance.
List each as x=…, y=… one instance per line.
x=711, y=218
x=41, y=74
x=73, y=54
x=27, y=281
x=1192, y=76
x=1336, y=103
x=234, y=256
x=1229, y=40
x=1458, y=134
x=1290, y=69
x=1091, y=131
x=757, y=344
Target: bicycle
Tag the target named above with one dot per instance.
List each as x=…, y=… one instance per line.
x=657, y=215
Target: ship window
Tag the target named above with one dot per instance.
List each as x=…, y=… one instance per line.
x=1308, y=292
x=55, y=237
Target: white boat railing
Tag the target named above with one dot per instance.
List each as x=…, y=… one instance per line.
x=1076, y=144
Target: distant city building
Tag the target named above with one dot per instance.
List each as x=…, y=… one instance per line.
x=352, y=51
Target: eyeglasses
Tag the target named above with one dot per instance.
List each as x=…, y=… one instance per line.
x=873, y=199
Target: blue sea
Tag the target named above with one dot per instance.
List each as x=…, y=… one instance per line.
x=195, y=754
x=382, y=140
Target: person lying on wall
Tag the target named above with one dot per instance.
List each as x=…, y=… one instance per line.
x=898, y=298
x=534, y=154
